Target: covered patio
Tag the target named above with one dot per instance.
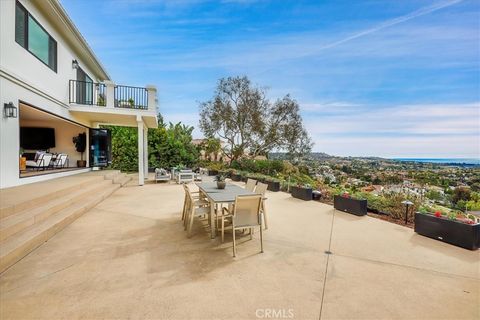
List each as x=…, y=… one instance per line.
x=129, y=257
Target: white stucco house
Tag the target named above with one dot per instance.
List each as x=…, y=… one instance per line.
x=53, y=88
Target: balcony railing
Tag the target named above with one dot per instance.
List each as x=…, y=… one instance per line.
x=131, y=97
x=109, y=95
x=89, y=93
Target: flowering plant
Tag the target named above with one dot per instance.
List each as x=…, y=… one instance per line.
x=438, y=214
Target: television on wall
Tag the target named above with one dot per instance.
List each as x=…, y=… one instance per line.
x=32, y=138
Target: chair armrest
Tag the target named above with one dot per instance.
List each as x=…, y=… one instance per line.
x=225, y=209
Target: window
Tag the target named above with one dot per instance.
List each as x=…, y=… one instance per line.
x=31, y=35
x=84, y=87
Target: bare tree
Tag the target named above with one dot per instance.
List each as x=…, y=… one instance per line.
x=251, y=125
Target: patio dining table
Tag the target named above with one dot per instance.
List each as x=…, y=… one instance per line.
x=219, y=196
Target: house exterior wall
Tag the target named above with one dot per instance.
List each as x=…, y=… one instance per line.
x=23, y=77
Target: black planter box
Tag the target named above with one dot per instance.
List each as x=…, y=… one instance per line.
x=316, y=195
x=212, y=172
x=236, y=177
x=301, y=193
x=459, y=234
x=273, y=186
x=353, y=206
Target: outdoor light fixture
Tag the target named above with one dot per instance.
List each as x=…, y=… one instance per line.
x=75, y=64
x=9, y=110
x=407, y=204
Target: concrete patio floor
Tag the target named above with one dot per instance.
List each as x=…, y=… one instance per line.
x=130, y=258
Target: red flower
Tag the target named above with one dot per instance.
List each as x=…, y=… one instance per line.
x=438, y=214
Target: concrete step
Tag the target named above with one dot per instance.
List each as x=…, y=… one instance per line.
x=18, y=246
x=20, y=221
x=59, y=189
x=111, y=174
x=122, y=180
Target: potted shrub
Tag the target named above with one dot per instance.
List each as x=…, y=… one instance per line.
x=348, y=204
x=220, y=179
x=457, y=229
x=301, y=192
x=80, y=143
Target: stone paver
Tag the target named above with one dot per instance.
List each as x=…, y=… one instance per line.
x=130, y=258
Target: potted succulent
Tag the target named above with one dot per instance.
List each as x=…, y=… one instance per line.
x=302, y=192
x=221, y=184
x=80, y=143
x=348, y=204
x=455, y=228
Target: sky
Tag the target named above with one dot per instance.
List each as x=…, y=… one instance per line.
x=373, y=78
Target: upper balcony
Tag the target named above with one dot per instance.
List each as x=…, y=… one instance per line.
x=110, y=103
x=110, y=95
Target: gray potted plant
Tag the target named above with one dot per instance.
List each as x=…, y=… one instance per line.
x=220, y=181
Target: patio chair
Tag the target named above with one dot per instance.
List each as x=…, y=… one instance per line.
x=186, y=202
x=261, y=188
x=161, y=175
x=194, y=208
x=42, y=161
x=250, y=186
x=60, y=161
x=246, y=214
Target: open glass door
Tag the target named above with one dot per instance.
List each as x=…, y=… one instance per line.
x=100, y=146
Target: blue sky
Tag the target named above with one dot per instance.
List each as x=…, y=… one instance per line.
x=383, y=78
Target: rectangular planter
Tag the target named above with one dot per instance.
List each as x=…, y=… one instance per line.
x=212, y=172
x=301, y=193
x=273, y=186
x=236, y=177
x=353, y=206
x=459, y=234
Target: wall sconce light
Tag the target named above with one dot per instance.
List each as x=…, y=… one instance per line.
x=9, y=110
x=75, y=64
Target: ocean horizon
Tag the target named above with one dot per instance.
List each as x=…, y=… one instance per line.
x=470, y=161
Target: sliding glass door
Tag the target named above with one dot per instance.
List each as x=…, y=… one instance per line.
x=100, y=146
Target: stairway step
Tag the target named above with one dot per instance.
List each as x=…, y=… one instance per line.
x=20, y=221
x=8, y=210
x=19, y=246
x=123, y=180
x=111, y=174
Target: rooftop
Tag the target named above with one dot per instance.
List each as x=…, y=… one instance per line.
x=129, y=257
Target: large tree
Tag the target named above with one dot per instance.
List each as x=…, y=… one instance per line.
x=251, y=125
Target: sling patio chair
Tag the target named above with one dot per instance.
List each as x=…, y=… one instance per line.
x=261, y=188
x=250, y=186
x=246, y=215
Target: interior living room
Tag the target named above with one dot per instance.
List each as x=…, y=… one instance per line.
x=48, y=143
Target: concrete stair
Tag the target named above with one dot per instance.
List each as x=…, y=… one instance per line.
x=29, y=224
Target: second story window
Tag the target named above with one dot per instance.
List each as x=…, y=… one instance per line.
x=33, y=37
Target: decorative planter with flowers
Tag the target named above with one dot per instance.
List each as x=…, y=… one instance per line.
x=348, y=204
x=457, y=229
x=303, y=193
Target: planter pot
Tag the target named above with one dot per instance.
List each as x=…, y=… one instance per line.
x=236, y=177
x=221, y=184
x=301, y=193
x=244, y=179
x=316, y=195
x=81, y=163
x=353, y=206
x=273, y=186
x=459, y=234
x=212, y=172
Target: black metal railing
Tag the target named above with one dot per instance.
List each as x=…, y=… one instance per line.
x=131, y=97
x=86, y=92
